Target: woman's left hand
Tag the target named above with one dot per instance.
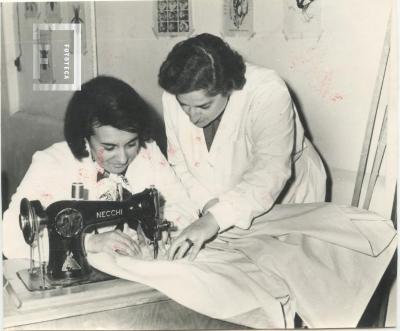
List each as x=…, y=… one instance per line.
x=192, y=238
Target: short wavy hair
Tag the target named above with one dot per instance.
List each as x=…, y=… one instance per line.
x=204, y=62
x=103, y=101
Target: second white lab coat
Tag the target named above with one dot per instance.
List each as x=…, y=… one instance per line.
x=250, y=161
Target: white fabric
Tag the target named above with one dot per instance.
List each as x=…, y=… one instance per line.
x=319, y=260
x=52, y=172
x=250, y=159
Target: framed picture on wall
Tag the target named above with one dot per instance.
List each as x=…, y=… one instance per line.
x=238, y=18
x=172, y=18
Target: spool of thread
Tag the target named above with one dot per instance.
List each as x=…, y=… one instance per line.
x=77, y=191
x=119, y=192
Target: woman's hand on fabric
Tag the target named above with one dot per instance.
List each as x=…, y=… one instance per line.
x=113, y=242
x=192, y=238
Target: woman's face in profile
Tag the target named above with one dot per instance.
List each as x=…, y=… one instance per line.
x=201, y=108
x=113, y=149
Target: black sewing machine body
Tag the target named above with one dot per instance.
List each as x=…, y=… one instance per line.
x=68, y=221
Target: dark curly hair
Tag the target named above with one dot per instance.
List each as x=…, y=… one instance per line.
x=202, y=62
x=104, y=101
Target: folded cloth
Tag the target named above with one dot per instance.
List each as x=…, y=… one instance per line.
x=218, y=284
x=321, y=260
x=348, y=227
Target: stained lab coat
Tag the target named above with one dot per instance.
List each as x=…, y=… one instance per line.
x=53, y=170
x=259, y=139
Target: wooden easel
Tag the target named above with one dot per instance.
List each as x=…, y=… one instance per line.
x=375, y=314
x=380, y=151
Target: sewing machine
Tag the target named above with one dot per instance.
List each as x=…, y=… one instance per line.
x=68, y=291
x=68, y=221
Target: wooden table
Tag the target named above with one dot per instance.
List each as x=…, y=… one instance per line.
x=111, y=305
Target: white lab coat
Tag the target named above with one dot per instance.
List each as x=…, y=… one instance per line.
x=52, y=172
x=250, y=160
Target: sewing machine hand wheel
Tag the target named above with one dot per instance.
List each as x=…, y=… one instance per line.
x=31, y=220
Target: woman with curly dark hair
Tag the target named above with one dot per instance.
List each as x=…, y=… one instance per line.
x=234, y=139
x=108, y=147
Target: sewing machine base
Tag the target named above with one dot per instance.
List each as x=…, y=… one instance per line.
x=22, y=307
x=33, y=281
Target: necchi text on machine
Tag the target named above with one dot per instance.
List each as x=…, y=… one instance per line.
x=67, y=221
